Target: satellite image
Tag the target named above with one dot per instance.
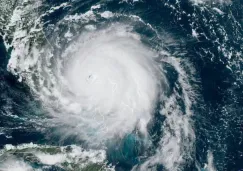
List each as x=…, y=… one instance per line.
x=121, y=85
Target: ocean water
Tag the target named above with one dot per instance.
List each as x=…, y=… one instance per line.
x=121, y=85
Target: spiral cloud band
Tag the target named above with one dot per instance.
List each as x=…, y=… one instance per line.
x=113, y=81
x=102, y=82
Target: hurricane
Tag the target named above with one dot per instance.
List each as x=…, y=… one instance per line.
x=122, y=85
